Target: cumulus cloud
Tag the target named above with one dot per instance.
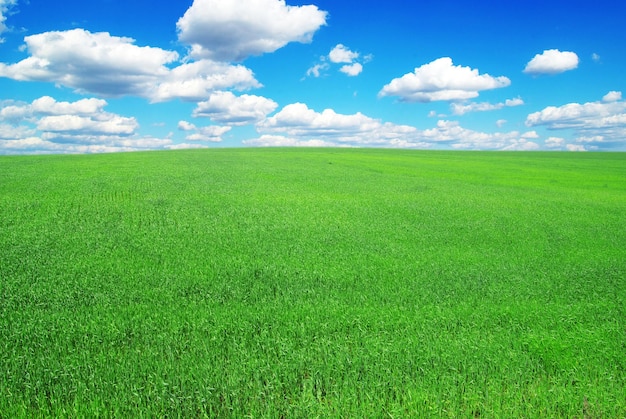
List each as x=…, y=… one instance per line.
x=91, y=62
x=352, y=69
x=601, y=123
x=5, y=7
x=612, y=96
x=31, y=145
x=555, y=142
x=114, y=66
x=317, y=69
x=53, y=118
x=196, y=81
x=530, y=135
x=340, y=54
x=299, y=121
x=74, y=145
x=211, y=133
x=575, y=147
x=11, y=132
x=591, y=115
x=185, y=146
x=442, y=80
x=49, y=126
x=13, y=112
x=463, y=108
x=232, y=30
x=186, y=126
x=37, y=145
x=226, y=108
x=552, y=61
x=461, y=138
x=297, y=124
x=105, y=123
x=521, y=145
x=68, y=116
x=16, y=112
x=49, y=106
x=282, y=141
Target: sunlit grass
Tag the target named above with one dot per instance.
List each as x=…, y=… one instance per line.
x=356, y=283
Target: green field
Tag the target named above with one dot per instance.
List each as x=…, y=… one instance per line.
x=317, y=282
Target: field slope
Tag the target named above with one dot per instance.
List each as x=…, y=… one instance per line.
x=321, y=282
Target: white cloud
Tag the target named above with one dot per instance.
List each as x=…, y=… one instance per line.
x=37, y=145
x=196, y=81
x=583, y=116
x=49, y=106
x=341, y=54
x=513, y=102
x=211, y=133
x=28, y=145
x=83, y=126
x=591, y=139
x=186, y=126
x=317, y=69
x=185, y=146
x=49, y=126
x=281, y=141
x=595, y=57
x=530, y=135
x=11, y=132
x=612, y=96
x=462, y=138
x=352, y=69
x=83, y=116
x=46, y=105
x=555, y=142
x=226, y=108
x=232, y=30
x=208, y=137
x=72, y=142
x=298, y=121
x=552, y=61
x=114, y=66
x=441, y=80
x=501, y=122
x=575, y=147
x=105, y=124
x=14, y=112
x=521, y=145
x=91, y=62
x=297, y=124
x=461, y=108
x=602, y=122
x=5, y=7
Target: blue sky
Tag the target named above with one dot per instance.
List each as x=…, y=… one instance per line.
x=113, y=75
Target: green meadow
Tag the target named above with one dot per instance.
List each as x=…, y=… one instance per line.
x=313, y=283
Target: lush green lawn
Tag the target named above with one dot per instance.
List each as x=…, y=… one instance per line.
x=355, y=283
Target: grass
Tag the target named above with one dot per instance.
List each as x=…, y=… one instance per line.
x=322, y=282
